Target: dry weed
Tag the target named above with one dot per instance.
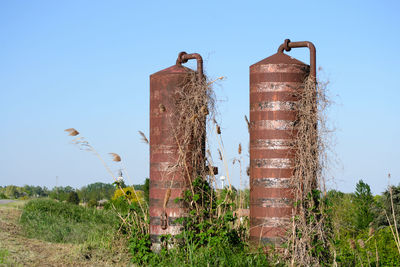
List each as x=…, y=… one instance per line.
x=310, y=144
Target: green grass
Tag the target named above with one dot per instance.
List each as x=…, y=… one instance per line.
x=59, y=222
x=212, y=256
x=3, y=256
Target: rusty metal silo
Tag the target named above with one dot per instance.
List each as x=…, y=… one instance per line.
x=164, y=150
x=274, y=85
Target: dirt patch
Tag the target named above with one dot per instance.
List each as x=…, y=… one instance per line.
x=18, y=250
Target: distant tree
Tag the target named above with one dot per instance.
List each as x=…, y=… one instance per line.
x=96, y=191
x=73, y=198
x=364, y=201
x=385, y=208
x=61, y=193
x=146, y=190
x=12, y=191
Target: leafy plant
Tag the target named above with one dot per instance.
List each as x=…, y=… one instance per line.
x=73, y=198
x=364, y=202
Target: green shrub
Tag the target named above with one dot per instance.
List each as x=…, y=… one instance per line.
x=366, y=249
x=219, y=255
x=206, y=239
x=73, y=198
x=92, y=203
x=67, y=223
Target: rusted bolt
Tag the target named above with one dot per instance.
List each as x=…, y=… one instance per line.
x=164, y=220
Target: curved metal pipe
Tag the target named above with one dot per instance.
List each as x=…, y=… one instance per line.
x=288, y=45
x=183, y=57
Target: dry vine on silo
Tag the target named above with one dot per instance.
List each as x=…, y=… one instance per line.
x=308, y=239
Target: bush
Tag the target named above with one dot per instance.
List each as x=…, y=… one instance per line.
x=92, y=203
x=206, y=239
x=129, y=192
x=73, y=198
x=67, y=223
x=218, y=255
x=367, y=249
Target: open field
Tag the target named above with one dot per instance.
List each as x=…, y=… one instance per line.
x=18, y=250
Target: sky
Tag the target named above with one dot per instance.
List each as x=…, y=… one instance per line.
x=86, y=65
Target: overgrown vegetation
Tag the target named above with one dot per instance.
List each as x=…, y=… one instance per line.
x=327, y=229
x=361, y=237
x=58, y=222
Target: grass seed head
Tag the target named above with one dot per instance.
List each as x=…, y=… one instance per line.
x=144, y=138
x=72, y=131
x=115, y=157
x=218, y=129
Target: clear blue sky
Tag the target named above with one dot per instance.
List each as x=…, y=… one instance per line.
x=86, y=64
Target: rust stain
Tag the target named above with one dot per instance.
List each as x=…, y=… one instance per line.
x=164, y=150
x=274, y=86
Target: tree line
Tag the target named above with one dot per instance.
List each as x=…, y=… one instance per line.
x=95, y=192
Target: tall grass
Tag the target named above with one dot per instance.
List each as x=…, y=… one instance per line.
x=59, y=222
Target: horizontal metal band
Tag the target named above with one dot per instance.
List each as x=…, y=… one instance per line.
x=164, y=147
x=157, y=175
x=273, y=105
x=155, y=211
x=272, y=153
x=271, y=144
x=271, y=182
x=157, y=221
x=256, y=211
x=164, y=157
x=258, y=193
x=160, y=193
x=272, y=202
x=158, y=151
x=288, y=87
x=167, y=184
x=256, y=134
x=288, y=115
x=277, y=77
x=162, y=166
x=279, y=163
x=171, y=230
x=257, y=97
x=155, y=239
x=270, y=222
x=279, y=68
x=257, y=173
x=154, y=202
x=272, y=125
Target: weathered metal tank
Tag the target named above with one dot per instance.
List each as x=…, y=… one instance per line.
x=164, y=149
x=274, y=85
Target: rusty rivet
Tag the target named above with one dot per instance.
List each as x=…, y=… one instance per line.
x=162, y=108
